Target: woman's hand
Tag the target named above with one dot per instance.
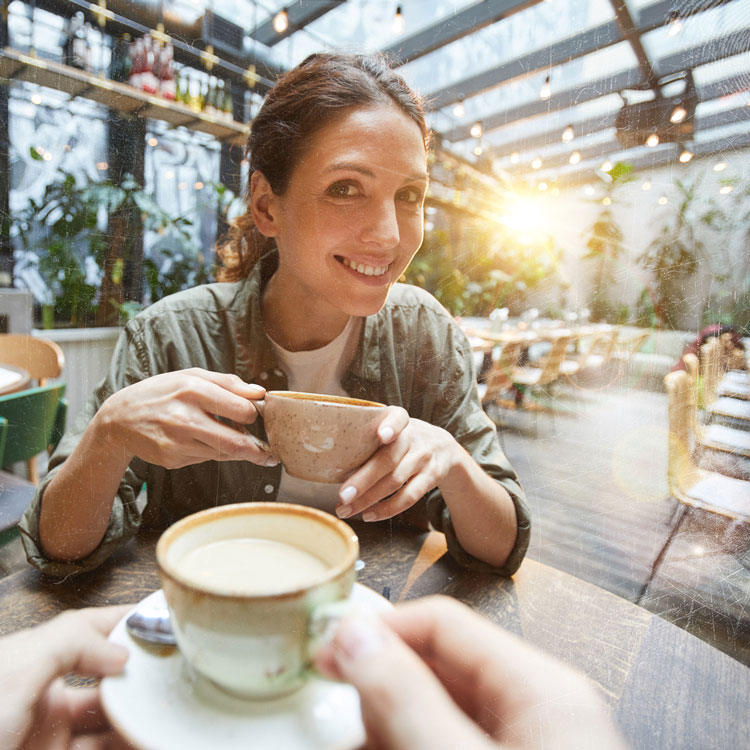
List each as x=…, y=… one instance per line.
x=170, y=419
x=435, y=675
x=414, y=457
x=38, y=710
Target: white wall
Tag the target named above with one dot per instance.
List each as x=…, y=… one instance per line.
x=638, y=213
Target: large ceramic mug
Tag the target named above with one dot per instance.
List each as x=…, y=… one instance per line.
x=320, y=438
x=244, y=583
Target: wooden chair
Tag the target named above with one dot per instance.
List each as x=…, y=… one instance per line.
x=36, y=422
x=546, y=373
x=688, y=483
x=41, y=358
x=595, y=356
x=624, y=350
x=498, y=381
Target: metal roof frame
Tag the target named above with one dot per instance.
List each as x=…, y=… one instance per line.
x=300, y=13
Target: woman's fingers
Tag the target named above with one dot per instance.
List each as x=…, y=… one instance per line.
x=395, y=421
x=403, y=704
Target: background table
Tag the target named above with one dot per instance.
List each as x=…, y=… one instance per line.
x=12, y=379
x=667, y=689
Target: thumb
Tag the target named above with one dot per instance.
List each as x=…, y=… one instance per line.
x=404, y=706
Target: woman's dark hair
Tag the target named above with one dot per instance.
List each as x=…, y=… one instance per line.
x=303, y=101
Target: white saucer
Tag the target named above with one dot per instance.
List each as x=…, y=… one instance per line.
x=156, y=706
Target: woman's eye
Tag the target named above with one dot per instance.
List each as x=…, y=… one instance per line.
x=411, y=195
x=342, y=190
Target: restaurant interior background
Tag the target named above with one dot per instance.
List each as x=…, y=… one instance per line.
x=590, y=167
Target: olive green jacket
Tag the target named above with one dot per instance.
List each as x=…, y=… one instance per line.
x=411, y=354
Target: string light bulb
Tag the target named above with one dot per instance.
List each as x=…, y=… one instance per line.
x=662, y=200
x=575, y=157
x=606, y=166
x=726, y=189
x=476, y=130
x=458, y=110
x=568, y=133
x=686, y=156
x=646, y=185
x=675, y=27
x=545, y=92
x=542, y=186
x=537, y=163
x=280, y=21
x=720, y=166
x=477, y=150
x=652, y=140
x=515, y=157
x=679, y=113
x=398, y=21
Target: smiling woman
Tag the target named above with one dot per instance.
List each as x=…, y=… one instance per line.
x=308, y=301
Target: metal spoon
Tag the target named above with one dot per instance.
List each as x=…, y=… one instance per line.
x=151, y=623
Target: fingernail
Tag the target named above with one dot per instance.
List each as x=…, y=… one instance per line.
x=348, y=493
x=357, y=639
x=259, y=389
x=369, y=516
x=386, y=434
x=271, y=461
x=343, y=512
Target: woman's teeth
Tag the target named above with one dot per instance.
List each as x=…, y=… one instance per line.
x=366, y=270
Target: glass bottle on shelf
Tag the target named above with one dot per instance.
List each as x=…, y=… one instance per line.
x=75, y=51
x=136, y=63
x=121, y=65
x=167, y=85
x=149, y=82
x=209, y=106
x=194, y=98
x=203, y=95
x=227, y=104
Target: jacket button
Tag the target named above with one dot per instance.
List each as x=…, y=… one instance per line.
x=268, y=489
x=264, y=375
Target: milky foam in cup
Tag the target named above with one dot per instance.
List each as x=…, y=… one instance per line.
x=320, y=438
x=244, y=584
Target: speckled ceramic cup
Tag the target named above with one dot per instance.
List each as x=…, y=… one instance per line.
x=252, y=645
x=320, y=438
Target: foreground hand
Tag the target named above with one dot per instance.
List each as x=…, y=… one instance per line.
x=169, y=419
x=37, y=710
x=436, y=676
x=413, y=458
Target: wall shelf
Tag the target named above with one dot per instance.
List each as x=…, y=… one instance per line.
x=18, y=66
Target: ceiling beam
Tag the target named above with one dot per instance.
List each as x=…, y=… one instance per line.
x=300, y=13
x=701, y=54
x=632, y=33
x=606, y=150
x=705, y=93
x=451, y=28
x=571, y=48
x=666, y=156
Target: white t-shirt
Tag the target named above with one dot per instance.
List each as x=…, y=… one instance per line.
x=317, y=371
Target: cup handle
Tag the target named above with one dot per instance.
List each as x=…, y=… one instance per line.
x=324, y=621
x=260, y=406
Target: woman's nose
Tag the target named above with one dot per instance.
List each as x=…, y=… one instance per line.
x=381, y=226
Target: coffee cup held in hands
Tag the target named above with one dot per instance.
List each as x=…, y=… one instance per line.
x=244, y=583
x=320, y=438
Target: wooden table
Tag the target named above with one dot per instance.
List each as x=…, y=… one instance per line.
x=12, y=379
x=667, y=689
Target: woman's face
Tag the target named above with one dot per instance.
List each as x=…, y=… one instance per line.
x=351, y=218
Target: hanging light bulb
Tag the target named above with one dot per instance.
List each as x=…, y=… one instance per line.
x=575, y=157
x=726, y=189
x=280, y=21
x=662, y=200
x=398, y=21
x=545, y=92
x=542, y=186
x=652, y=140
x=606, y=200
x=646, y=185
x=476, y=130
x=458, y=110
x=606, y=165
x=477, y=150
x=36, y=99
x=679, y=113
x=568, y=134
x=720, y=166
x=589, y=190
x=515, y=157
x=675, y=27
x=537, y=163
x=686, y=156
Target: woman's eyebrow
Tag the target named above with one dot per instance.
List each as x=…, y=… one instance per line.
x=354, y=167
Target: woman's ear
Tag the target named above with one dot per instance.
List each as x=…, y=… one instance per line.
x=263, y=205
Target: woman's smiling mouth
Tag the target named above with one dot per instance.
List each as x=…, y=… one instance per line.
x=363, y=268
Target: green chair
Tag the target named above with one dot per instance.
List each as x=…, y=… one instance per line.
x=33, y=421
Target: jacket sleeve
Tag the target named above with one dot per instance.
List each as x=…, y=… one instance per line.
x=458, y=410
x=128, y=366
